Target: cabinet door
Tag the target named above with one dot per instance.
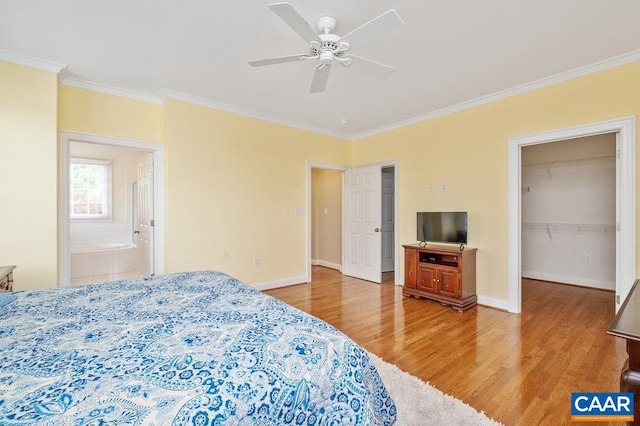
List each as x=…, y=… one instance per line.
x=410, y=261
x=448, y=282
x=427, y=278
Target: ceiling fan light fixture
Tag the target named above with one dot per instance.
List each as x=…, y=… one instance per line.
x=326, y=57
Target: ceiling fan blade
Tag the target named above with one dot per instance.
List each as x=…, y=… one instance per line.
x=320, y=77
x=276, y=60
x=294, y=20
x=378, y=27
x=369, y=67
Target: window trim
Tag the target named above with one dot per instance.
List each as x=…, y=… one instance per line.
x=108, y=204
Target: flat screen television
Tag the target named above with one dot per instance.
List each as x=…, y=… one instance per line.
x=442, y=227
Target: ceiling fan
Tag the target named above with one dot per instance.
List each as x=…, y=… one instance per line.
x=327, y=47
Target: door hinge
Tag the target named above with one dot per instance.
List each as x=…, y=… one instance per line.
x=618, y=299
x=618, y=153
x=153, y=222
x=618, y=226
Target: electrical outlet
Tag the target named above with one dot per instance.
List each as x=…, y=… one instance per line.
x=430, y=187
x=444, y=187
x=256, y=262
x=587, y=258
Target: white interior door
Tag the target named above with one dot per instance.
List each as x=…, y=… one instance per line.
x=362, y=230
x=145, y=222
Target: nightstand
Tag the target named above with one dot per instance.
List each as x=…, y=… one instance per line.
x=6, y=278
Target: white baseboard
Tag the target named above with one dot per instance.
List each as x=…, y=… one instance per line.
x=482, y=300
x=584, y=282
x=493, y=303
x=317, y=262
x=280, y=283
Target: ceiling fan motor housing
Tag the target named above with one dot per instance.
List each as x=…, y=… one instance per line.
x=330, y=43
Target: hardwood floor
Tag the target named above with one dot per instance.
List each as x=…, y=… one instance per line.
x=518, y=369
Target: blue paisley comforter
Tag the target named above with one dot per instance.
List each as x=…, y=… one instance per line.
x=197, y=348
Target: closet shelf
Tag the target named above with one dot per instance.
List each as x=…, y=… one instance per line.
x=580, y=160
x=602, y=164
x=552, y=227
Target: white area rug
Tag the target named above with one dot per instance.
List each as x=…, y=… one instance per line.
x=420, y=404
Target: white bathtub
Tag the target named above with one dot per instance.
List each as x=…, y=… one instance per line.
x=103, y=259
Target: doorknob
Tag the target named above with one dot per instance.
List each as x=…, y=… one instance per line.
x=136, y=232
x=377, y=230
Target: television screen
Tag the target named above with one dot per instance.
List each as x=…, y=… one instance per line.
x=442, y=227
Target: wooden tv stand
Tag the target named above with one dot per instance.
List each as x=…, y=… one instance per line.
x=447, y=275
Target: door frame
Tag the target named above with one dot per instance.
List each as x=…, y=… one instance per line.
x=396, y=211
x=625, y=200
x=64, y=257
x=315, y=165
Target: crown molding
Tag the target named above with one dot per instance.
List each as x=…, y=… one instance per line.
x=64, y=78
x=32, y=62
x=111, y=90
x=184, y=97
x=603, y=65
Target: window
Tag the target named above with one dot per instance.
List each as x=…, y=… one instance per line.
x=90, y=192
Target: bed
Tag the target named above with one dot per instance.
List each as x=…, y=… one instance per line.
x=196, y=348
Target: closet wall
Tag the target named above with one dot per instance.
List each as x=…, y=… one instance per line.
x=326, y=218
x=569, y=211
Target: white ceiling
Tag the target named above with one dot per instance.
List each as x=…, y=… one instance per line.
x=449, y=52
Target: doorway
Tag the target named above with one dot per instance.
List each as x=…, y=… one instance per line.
x=391, y=215
x=95, y=249
x=625, y=258
x=569, y=211
x=388, y=219
x=326, y=218
x=314, y=252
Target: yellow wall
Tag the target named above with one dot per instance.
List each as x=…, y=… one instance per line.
x=28, y=175
x=233, y=184
x=468, y=151
x=102, y=114
x=326, y=217
x=228, y=180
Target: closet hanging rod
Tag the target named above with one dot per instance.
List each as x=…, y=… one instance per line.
x=568, y=227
